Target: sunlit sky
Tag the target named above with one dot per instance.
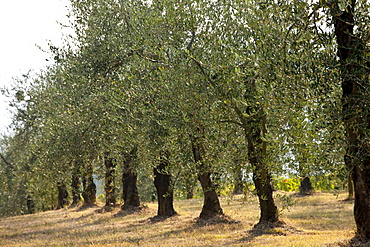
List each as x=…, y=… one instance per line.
x=24, y=25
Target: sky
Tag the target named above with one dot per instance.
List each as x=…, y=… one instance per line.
x=25, y=25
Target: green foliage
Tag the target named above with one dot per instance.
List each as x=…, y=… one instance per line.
x=327, y=182
x=147, y=74
x=287, y=184
x=324, y=182
x=287, y=201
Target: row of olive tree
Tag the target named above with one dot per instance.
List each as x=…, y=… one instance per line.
x=156, y=85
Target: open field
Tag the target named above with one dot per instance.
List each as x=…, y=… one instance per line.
x=323, y=219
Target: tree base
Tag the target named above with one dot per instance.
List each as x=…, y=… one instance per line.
x=355, y=242
x=109, y=208
x=131, y=210
x=263, y=225
x=125, y=207
x=76, y=205
x=216, y=219
x=299, y=194
x=160, y=218
x=87, y=206
x=272, y=228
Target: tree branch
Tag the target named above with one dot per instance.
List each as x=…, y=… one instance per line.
x=6, y=162
x=191, y=41
x=214, y=85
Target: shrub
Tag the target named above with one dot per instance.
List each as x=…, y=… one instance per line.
x=287, y=184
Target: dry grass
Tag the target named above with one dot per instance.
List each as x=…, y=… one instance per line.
x=319, y=220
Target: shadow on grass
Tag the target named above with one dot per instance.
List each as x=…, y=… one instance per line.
x=86, y=207
x=268, y=228
x=191, y=226
x=199, y=222
x=159, y=218
x=107, y=208
x=354, y=242
x=131, y=210
x=91, y=228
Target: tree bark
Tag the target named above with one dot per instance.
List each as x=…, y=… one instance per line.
x=306, y=187
x=30, y=205
x=75, y=189
x=110, y=190
x=211, y=205
x=238, y=181
x=62, y=195
x=76, y=198
x=351, y=192
x=164, y=186
x=355, y=110
x=262, y=181
x=255, y=127
x=130, y=193
x=190, y=194
x=89, y=192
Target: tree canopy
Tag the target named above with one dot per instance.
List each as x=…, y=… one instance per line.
x=211, y=88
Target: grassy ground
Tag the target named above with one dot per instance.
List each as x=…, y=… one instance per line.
x=323, y=219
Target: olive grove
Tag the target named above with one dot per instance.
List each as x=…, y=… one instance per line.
x=151, y=96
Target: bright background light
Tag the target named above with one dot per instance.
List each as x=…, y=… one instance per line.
x=24, y=25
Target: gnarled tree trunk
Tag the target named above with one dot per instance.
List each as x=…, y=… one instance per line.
x=76, y=198
x=238, y=181
x=75, y=190
x=356, y=115
x=306, y=187
x=110, y=190
x=190, y=187
x=255, y=128
x=189, y=194
x=262, y=181
x=30, y=205
x=211, y=205
x=89, y=187
x=164, y=186
x=62, y=195
x=130, y=193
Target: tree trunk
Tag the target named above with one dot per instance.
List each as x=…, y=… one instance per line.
x=89, y=192
x=110, y=190
x=355, y=110
x=76, y=198
x=361, y=178
x=238, y=181
x=75, y=190
x=130, y=193
x=262, y=181
x=351, y=192
x=164, y=185
x=62, y=195
x=211, y=204
x=255, y=127
x=189, y=193
x=30, y=205
x=306, y=187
